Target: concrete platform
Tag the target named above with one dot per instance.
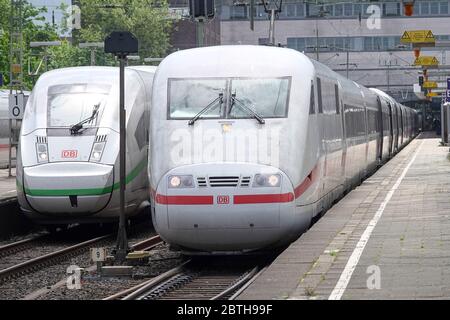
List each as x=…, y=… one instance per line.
x=7, y=186
x=387, y=239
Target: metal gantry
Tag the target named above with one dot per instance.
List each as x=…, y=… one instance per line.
x=16, y=69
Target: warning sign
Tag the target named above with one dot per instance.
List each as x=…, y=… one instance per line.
x=418, y=36
x=426, y=61
x=432, y=94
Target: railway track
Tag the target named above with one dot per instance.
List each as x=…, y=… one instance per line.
x=147, y=244
x=195, y=279
x=18, y=246
x=47, y=259
x=57, y=256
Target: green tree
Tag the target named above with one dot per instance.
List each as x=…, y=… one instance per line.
x=32, y=31
x=147, y=19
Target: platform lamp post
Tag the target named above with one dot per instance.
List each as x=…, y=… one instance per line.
x=121, y=44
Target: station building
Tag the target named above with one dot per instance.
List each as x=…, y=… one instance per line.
x=360, y=39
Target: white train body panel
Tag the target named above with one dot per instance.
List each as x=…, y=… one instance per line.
x=72, y=185
x=321, y=149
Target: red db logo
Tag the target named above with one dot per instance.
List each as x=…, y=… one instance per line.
x=223, y=199
x=69, y=154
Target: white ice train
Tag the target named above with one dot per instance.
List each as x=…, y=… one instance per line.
x=67, y=169
x=249, y=143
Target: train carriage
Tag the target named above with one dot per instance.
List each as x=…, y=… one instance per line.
x=302, y=136
x=67, y=169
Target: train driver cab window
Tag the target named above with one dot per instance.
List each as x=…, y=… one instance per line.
x=247, y=97
x=71, y=103
x=266, y=97
x=189, y=97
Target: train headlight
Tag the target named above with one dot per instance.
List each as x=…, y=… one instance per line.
x=267, y=180
x=181, y=181
x=97, y=151
x=42, y=152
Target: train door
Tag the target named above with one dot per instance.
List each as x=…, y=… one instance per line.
x=402, y=128
x=338, y=135
x=366, y=149
x=391, y=130
x=396, y=128
x=344, y=140
x=380, y=131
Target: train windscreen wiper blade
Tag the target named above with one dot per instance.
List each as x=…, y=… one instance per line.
x=207, y=108
x=75, y=129
x=242, y=106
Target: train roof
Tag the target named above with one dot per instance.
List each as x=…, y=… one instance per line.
x=150, y=69
x=234, y=61
x=383, y=95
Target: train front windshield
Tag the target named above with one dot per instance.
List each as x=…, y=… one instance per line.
x=267, y=97
x=70, y=104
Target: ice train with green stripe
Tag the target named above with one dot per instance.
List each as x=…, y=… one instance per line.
x=68, y=156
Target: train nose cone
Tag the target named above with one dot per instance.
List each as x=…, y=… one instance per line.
x=68, y=188
x=229, y=207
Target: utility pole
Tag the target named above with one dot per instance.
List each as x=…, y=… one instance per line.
x=347, y=47
x=388, y=72
x=272, y=27
x=92, y=46
x=200, y=11
x=272, y=9
x=320, y=14
x=200, y=32
x=317, y=38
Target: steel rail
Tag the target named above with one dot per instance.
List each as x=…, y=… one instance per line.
x=147, y=244
x=155, y=281
x=17, y=246
x=46, y=260
x=241, y=282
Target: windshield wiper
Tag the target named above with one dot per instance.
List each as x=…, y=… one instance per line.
x=240, y=104
x=207, y=108
x=75, y=129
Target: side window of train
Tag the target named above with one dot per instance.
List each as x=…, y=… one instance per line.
x=336, y=97
x=372, y=121
x=312, y=108
x=354, y=121
x=140, y=133
x=319, y=95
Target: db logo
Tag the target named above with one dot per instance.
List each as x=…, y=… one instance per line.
x=223, y=199
x=69, y=154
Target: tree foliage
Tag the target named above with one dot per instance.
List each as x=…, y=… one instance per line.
x=32, y=31
x=147, y=19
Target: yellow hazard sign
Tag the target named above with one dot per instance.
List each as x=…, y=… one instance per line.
x=418, y=36
x=426, y=61
x=432, y=94
x=430, y=84
x=16, y=68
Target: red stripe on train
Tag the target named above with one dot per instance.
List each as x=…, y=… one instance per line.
x=184, y=200
x=263, y=198
x=309, y=180
x=241, y=199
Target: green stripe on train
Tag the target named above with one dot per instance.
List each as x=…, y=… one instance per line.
x=86, y=192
